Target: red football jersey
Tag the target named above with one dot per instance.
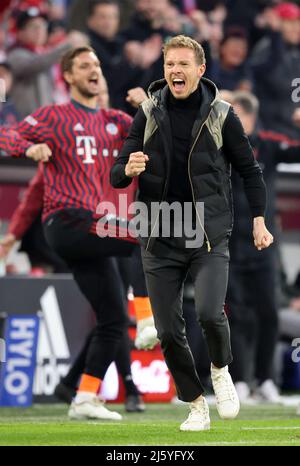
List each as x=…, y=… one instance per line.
x=84, y=144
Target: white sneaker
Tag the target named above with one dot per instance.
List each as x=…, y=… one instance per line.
x=91, y=407
x=227, y=400
x=268, y=392
x=198, y=418
x=146, y=334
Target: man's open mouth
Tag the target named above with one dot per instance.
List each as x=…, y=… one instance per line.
x=178, y=84
x=94, y=81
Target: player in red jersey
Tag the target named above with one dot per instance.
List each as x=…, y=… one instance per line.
x=79, y=143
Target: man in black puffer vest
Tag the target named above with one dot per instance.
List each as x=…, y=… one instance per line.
x=182, y=143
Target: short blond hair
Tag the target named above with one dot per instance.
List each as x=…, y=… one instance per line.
x=185, y=42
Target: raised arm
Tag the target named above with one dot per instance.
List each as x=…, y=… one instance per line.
x=31, y=137
x=239, y=152
x=129, y=162
x=25, y=64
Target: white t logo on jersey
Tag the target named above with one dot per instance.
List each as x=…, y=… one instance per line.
x=89, y=148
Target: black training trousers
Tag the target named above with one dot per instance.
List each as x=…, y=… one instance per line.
x=165, y=277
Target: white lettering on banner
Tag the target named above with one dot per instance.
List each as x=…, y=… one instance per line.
x=54, y=325
x=53, y=349
x=17, y=381
x=154, y=378
x=24, y=348
x=13, y=364
x=23, y=329
x=47, y=376
x=89, y=149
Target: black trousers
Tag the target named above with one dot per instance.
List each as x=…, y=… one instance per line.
x=253, y=317
x=97, y=275
x=165, y=277
x=123, y=363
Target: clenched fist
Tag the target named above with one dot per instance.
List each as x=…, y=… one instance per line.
x=262, y=237
x=39, y=153
x=136, y=96
x=136, y=164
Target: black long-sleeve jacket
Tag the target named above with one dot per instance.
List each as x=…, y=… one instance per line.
x=217, y=141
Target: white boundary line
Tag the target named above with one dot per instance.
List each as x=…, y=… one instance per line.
x=271, y=428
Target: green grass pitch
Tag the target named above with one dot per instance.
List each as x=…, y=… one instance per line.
x=159, y=425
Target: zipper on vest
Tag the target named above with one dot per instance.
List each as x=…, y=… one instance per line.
x=193, y=194
x=155, y=223
x=190, y=178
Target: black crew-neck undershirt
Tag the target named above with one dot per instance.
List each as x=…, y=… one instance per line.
x=182, y=114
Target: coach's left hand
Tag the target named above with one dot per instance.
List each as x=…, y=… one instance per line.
x=262, y=237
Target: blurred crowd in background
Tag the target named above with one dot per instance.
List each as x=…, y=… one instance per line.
x=249, y=45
